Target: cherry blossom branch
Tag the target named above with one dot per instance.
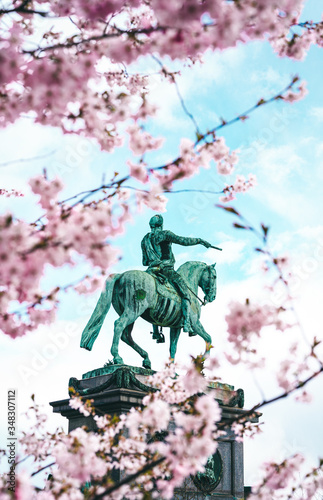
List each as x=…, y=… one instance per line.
x=131, y=33
x=241, y=117
x=275, y=261
x=255, y=408
x=130, y=478
x=113, y=184
x=314, y=472
x=49, y=296
x=309, y=24
x=22, y=9
x=23, y=459
x=278, y=475
x=43, y=468
x=95, y=38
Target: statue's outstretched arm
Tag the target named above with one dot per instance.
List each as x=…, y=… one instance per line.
x=183, y=240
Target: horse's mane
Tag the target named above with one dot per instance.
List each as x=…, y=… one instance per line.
x=191, y=266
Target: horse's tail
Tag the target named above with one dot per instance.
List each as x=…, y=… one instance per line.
x=93, y=327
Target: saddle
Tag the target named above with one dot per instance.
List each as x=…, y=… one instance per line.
x=163, y=286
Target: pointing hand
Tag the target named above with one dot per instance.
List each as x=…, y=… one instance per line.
x=205, y=243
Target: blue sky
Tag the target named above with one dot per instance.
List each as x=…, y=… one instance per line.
x=280, y=143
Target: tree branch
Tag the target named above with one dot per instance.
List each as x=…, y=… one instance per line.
x=240, y=117
x=43, y=468
x=180, y=97
x=95, y=38
x=129, y=479
x=266, y=402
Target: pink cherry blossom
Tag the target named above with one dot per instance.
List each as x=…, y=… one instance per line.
x=139, y=171
x=241, y=185
x=77, y=404
x=293, y=96
x=69, y=65
x=245, y=323
x=10, y=193
x=141, y=141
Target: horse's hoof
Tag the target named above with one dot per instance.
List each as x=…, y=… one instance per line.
x=146, y=364
x=118, y=361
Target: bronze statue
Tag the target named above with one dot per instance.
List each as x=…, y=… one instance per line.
x=157, y=254
x=161, y=296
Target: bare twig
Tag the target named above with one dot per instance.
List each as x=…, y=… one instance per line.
x=181, y=99
x=24, y=160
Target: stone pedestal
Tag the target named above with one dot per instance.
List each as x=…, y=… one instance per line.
x=115, y=389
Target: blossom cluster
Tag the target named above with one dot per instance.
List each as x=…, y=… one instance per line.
x=156, y=446
x=8, y=193
x=241, y=185
x=27, y=249
x=284, y=480
x=243, y=429
x=245, y=322
x=72, y=79
x=295, y=368
x=187, y=419
x=297, y=45
x=192, y=157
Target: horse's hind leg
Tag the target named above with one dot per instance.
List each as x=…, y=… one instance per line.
x=127, y=338
x=126, y=318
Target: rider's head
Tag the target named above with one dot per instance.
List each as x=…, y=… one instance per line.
x=156, y=222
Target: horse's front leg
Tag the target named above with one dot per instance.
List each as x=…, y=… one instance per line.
x=199, y=330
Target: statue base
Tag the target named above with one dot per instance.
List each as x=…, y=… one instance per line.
x=115, y=389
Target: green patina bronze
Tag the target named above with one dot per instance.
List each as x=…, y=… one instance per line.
x=160, y=295
x=208, y=480
x=108, y=369
x=140, y=295
x=122, y=377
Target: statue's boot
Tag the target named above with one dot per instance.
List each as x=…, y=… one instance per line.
x=155, y=332
x=158, y=335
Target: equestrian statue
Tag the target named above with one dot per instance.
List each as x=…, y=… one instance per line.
x=160, y=295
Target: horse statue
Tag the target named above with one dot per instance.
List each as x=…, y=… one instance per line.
x=138, y=293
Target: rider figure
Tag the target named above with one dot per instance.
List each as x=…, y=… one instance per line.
x=158, y=256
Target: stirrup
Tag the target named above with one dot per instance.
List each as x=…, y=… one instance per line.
x=160, y=338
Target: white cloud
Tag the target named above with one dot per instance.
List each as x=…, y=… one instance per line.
x=232, y=251
x=278, y=163
x=266, y=81
x=317, y=112
x=319, y=150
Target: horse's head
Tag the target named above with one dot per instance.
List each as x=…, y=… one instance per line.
x=208, y=283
